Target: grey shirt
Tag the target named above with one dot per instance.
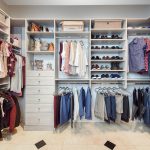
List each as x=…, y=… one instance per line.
x=136, y=55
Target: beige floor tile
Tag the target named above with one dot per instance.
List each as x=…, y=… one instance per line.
x=142, y=147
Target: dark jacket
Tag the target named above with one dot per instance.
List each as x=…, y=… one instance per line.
x=126, y=109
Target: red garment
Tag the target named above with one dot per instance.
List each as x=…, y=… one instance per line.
x=23, y=70
x=147, y=53
x=12, y=120
x=11, y=62
x=56, y=110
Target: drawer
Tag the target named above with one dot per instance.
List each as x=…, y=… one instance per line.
x=39, y=99
x=40, y=90
x=40, y=81
x=39, y=108
x=39, y=119
x=40, y=73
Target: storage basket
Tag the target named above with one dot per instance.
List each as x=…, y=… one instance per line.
x=108, y=24
x=72, y=25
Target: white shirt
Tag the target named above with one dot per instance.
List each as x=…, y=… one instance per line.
x=81, y=60
x=76, y=104
x=16, y=80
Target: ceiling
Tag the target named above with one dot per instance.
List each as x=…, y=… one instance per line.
x=77, y=2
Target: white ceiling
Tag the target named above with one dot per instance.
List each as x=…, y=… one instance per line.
x=77, y=2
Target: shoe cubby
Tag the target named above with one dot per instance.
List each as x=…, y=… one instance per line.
x=109, y=50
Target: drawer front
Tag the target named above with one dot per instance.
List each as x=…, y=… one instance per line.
x=39, y=119
x=40, y=73
x=40, y=89
x=39, y=108
x=40, y=81
x=39, y=99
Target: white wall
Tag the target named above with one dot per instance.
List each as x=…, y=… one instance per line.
x=79, y=11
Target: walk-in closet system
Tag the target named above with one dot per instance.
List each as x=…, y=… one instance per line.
x=37, y=103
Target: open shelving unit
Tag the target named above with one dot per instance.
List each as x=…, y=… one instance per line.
x=41, y=84
x=121, y=42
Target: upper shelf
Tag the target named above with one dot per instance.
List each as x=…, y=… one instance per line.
x=137, y=31
x=109, y=30
x=3, y=25
x=41, y=34
x=72, y=34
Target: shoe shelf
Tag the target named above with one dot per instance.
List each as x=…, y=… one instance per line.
x=122, y=52
x=108, y=70
x=108, y=40
x=109, y=30
x=122, y=60
x=107, y=50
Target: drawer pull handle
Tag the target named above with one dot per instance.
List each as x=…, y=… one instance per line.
x=39, y=81
x=39, y=91
x=39, y=100
x=39, y=74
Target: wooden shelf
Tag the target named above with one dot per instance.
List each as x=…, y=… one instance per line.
x=41, y=52
x=107, y=50
x=138, y=80
x=106, y=80
x=107, y=70
x=41, y=34
x=110, y=30
x=2, y=24
x=72, y=34
x=3, y=32
x=107, y=39
x=122, y=60
x=139, y=31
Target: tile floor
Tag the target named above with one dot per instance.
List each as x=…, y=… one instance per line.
x=86, y=136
